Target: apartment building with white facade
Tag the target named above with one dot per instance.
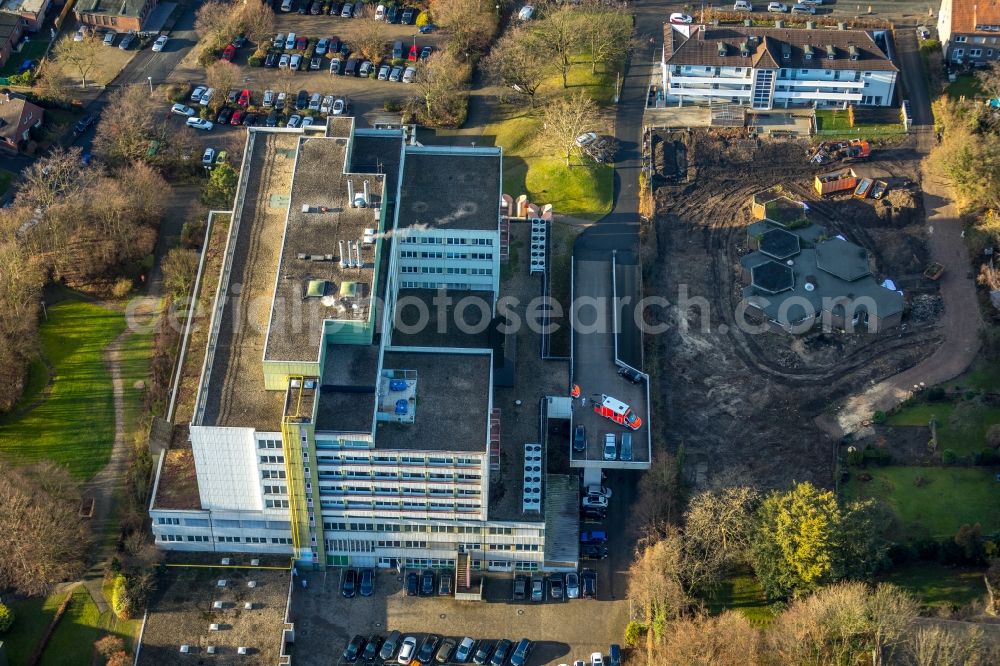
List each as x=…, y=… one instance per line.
x=969, y=31
x=322, y=429
x=774, y=67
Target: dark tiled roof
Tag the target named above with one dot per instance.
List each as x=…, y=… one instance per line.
x=111, y=7
x=8, y=25
x=768, y=47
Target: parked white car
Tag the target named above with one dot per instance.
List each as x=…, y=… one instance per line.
x=81, y=32
x=409, y=74
x=596, y=659
x=586, y=139
x=197, y=93
x=526, y=13
x=199, y=123
x=206, y=97
x=778, y=7
x=182, y=110
x=338, y=107
x=327, y=104
x=407, y=650
x=680, y=17
x=160, y=42
x=380, y=13
x=208, y=157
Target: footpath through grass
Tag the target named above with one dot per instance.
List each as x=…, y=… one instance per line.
x=931, y=501
x=75, y=425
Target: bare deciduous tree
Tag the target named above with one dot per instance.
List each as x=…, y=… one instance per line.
x=989, y=80
x=470, y=22
x=79, y=57
x=566, y=118
x=952, y=645
x=723, y=640
x=440, y=84
x=561, y=36
x=722, y=523
x=222, y=76
x=130, y=121
x=517, y=61
x=370, y=41
x=45, y=541
x=256, y=19
x=607, y=32
x=213, y=20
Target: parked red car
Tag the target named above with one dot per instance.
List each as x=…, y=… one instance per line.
x=300, y=43
x=237, y=118
x=244, y=99
x=229, y=53
x=414, y=54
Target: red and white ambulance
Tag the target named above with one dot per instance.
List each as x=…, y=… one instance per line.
x=617, y=411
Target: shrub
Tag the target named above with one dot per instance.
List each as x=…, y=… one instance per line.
x=109, y=645
x=6, y=618
x=424, y=18
x=936, y=394
x=879, y=417
x=949, y=457
x=120, y=602
x=391, y=105
x=121, y=288
x=23, y=79
x=255, y=60
x=193, y=233
x=176, y=92
x=120, y=659
x=634, y=631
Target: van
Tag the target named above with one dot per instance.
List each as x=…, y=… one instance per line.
x=526, y=13
x=626, y=452
x=397, y=50
x=314, y=101
x=347, y=11
x=742, y=6
x=286, y=5
x=352, y=67
x=290, y=41
x=803, y=9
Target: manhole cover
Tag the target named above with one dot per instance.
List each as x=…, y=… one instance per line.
x=443, y=615
x=520, y=611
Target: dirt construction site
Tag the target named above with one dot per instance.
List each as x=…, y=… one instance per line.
x=747, y=406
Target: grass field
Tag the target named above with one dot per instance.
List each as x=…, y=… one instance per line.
x=32, y=617
x=33, y=50
x=585, y=188
x=937, y=585
x=961, y=426
x=74, y=426
x=6, y=178
x=79, y=628
x=966, y=85
x=742, y=593
x=137, y=352
x=832, y=119
x=947, y=498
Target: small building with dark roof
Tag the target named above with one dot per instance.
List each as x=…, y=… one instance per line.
x=797, y=277
x=774, y=67
x=118, y=15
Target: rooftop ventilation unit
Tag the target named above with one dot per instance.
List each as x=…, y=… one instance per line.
x=256, y=563
x=786, y=51
x=213, y=627
x=242, y=650
x=841, y=25
x=218, y=605
x=248, y=605
x=251, y=584
x=722, y=50
x=210, y=649
x=808, y=51
x=221, y=583
x=539, y=236
x=745, y=48
x=855, y=54
x=368, y=237
x=810, y=25
x=831, y=52
x=779, y=24
x=350, y=192
x=185, y=649
x=225, y=561
x=531, y=498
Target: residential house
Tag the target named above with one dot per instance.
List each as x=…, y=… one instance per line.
x=32, y=11
x=18, y=117
x=11, y=30
x=774, y=67
x=969, y=31
x=118, y=15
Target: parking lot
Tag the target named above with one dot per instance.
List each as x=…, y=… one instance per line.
x=365, y=96
x=562, y=630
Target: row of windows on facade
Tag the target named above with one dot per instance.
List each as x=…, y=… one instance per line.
x=437, y=240
x=441, y=529
x=399, y=490
x=223, y=523
x=976, y=39
x=973, y=53
x=413, y=254
x=458, y=286
x=405, y=476
x=283, y=541
x=390, y=505
x=431, y=562
x=838, y=75
x=438, y=270
x=356, y=546
x=393, y=460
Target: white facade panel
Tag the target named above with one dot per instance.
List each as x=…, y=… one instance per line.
x=227, y=463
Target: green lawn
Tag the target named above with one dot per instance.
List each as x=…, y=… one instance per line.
x=79, y=628
x=937, y=585
x=947, y=498
x=137, y=352
x=832, y=119
x=832, y=123
x=961, y=426
x=6, y=178
x=966, y=85
x=75, y=425
x=31, y=618
x=33, y=50
x=984, y=376
x=744, y=594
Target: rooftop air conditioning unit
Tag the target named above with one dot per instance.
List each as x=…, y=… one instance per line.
x=213, y=627
x=221, y=583
x=225, y=561
x=210, y=649
x=248, y=605
x=251, y=583
x=255, y=563
x=242, y=650
x=218, y=605
x=185, y=649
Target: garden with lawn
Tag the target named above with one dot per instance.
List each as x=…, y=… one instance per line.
x=71, y=420
x=744, y=594
x=585, y=188
x=930, y=502
x=937, y=585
